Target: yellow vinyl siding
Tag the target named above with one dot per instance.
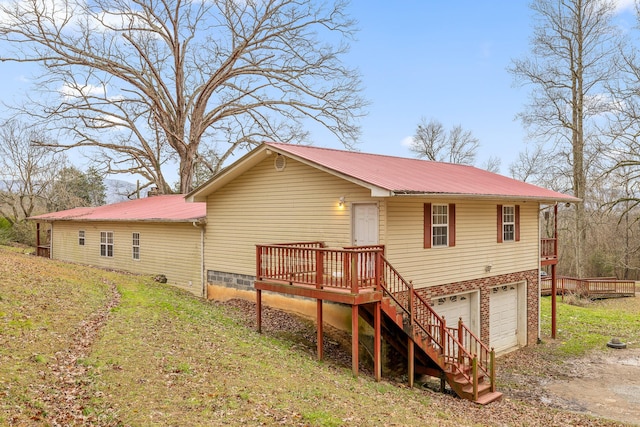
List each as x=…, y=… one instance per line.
x=265, y=206
x=476, y=243
x=172, y=249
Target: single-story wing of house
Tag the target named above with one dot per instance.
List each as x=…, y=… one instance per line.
x=468, y=240
x=158, y=235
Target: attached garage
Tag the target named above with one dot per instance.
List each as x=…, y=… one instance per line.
x=507, y=317
x=454, y=307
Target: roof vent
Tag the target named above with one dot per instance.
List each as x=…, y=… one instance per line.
x=280, y=162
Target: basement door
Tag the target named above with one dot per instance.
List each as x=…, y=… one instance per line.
x=503, y=317
x=365, y=224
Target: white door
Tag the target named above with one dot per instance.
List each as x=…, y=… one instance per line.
x=503, y=317
x=365, y=224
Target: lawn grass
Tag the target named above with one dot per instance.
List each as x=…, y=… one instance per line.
x=581, y=329
x=41, y=303
x=172, y=359
x=165, y=357
x=168, y=358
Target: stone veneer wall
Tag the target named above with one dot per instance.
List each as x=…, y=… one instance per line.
x=484, y=285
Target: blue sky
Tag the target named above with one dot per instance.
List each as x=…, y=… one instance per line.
x=445, y=60
x=441, y=60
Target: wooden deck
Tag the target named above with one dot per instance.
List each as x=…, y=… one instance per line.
x=309, y=269
x=363, y=278
x=548, y=251
x=593, y=288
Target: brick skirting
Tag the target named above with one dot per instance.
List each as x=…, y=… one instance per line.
x=484, y=285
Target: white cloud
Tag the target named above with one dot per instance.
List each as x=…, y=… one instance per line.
x=73, y=91
x=53, y=11
x=624, y=5
x=108, y=121
x=407, y=141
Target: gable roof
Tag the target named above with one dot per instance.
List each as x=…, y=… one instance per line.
x=165, y=208
x=388, y=176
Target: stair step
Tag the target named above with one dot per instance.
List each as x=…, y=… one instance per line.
x=468, y=388
x=459, y=378
x=440, y=363
x=486, y=398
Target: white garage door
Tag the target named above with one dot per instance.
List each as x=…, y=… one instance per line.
x=453, y=308
x=503, y=318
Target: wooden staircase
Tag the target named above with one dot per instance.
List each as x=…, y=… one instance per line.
x=454, y=355
x=363, y=278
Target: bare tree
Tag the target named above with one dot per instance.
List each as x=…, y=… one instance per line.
x=492, y=164
x=150, y=82
x=573, y=51
x=27, y=171
x=433, y=142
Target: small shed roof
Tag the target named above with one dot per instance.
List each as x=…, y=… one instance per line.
x=165, y=208
x=388, y=176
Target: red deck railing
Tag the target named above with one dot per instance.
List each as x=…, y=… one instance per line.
x=589, y=287
x=309, y=263
x=463, y=352
x=365, y=269
x=548, y=248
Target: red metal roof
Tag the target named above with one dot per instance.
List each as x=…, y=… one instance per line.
x=167, y=208
x=414, y=176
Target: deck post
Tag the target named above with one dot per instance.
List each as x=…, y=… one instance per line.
x=474, y=372
x=319, y=269
x=354, y=339
x=492, y=372
x=410, y=302
x=354, y=273
x=378, y=271
x=554, y=278
x=259, y=310
x=377, y=366
x=554, y=292
x=410, y=360
x=319, y=317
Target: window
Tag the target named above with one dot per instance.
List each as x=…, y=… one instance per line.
x=440, y=229
x=106, y=243
x=81, y=237
x=136, y=246
x=508, y=223
x=439, y=225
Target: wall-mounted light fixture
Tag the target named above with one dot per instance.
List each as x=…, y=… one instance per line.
x=341, y=202
x=487, y=268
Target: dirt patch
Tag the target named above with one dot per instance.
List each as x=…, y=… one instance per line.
x=66, y=388
x=605, y=384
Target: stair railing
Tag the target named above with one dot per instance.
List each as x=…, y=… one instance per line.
x=486, y=357
x=458, y=350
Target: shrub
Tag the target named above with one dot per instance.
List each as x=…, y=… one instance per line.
x=6, y=232
x=24, y=232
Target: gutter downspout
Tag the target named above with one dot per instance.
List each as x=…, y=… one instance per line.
x=203, y=283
